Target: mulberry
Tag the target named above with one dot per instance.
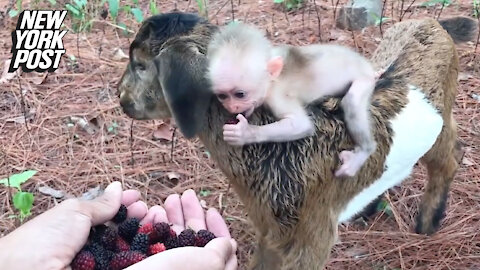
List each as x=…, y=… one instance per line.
x=128, y=229
x=186, y=238
x=125, y=258
x=156, y=248
x=140, y=243
x=121, y=214
x=203, y=237
x=83, y=261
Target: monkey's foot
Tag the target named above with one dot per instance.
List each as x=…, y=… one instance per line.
x=351, y=162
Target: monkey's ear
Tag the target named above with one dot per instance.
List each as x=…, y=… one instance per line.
x=181, y=73
x=275, y=66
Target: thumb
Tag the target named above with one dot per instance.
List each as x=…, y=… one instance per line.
x=222, y=246
x=241, y=118
x=104, y=207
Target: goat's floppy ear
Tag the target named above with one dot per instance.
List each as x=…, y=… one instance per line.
x=181, y=73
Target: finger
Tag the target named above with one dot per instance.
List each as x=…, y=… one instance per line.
x=173, y=206
x=137, y=209
x=216, y=224
x=229, y=133
x=154, y=215
x=130, y=196
x=104, y=207
x=242, y=118
x=193, y=211
x=222, y=247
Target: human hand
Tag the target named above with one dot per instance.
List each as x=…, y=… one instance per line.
x=186, y=212
x=240, y=133
x=52, y=239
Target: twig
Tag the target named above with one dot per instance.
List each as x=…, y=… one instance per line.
x=408, y=8
x=22, y=102
x=478, y=36
x=319, y=21
x=220, y=9
x=78, y=50
x=226, y=194
x=132, y=160
x=441, y=9
x=173, y=143
x=401, y=11
x=335, y=10
x=233, y=12
x=381, y=17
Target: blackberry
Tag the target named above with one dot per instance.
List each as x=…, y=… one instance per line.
x=128, y=228
x=203, y=237
x=140, y=243
x=121, y=214
x=97, y=232
x=109, y=238
x=186, y=238
x=162, y=231
x=100, y=254
x=171, y=242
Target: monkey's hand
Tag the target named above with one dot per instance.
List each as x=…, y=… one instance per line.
x=240, y=133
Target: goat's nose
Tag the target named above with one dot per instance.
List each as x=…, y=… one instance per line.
x=127, y=104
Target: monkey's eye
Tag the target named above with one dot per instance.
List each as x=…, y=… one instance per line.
x=221, y=97
x=240, y=94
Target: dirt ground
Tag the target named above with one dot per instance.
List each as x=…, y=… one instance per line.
x=73, y=156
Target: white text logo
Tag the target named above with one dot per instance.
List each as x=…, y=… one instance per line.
x=37, y=41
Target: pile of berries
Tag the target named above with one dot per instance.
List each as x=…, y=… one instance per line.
x=126, y=242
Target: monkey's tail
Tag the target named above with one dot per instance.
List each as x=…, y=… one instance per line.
x=461, y=29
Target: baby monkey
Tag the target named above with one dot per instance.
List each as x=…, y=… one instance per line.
x=246, y=71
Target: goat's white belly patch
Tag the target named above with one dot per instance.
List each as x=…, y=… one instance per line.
x=415, y=130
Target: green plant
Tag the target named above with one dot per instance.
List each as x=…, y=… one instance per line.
x=22, y=201
x=384, y=206
x=289, y=4
x=476, y=7
x=377, y=18
x=80, y=18
x=431, y=3
x=14, y=12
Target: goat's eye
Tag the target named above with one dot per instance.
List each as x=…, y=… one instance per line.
x=222, y=96
x=240, y=94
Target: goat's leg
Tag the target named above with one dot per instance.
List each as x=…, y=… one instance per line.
x=441, y=162
x=310, y=247
x=264, y=258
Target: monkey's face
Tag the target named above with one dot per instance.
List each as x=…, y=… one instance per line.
x=240, y=90
x=141, y=95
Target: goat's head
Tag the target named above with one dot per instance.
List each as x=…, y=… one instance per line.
x=154, y=86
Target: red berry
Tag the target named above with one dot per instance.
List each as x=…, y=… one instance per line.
x=83, y=261
x=149, y=230
x=172, y=233
x=122, y=245
x=126, y=258
x=232, y=121
x=156, y=248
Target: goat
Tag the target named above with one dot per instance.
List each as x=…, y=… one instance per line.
x=289, y=189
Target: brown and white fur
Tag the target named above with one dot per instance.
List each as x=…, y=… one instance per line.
x=246, y=71
x=287, y=188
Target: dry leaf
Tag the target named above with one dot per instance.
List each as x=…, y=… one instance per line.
x=92, y=193
x=163, y=132
x=464, y=76
x=40, y=79
x=83, y=123
x=203, y=203
x=21, y=118
x=119, y=55
x=6, y=76
x=58, y=194
x=356, y=252
x=467, y=162
x=173, y=176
